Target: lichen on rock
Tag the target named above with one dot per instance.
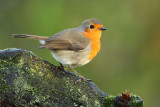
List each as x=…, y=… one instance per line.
x=27, y=80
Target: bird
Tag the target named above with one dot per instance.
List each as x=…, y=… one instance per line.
x=73, y=47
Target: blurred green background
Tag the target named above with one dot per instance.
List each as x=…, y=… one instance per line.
x=130, y=52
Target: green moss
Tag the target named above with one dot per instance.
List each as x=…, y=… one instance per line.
x=5, y=63
x=97, y=103
x=136, y=101
x=3, y=85
x=109, y=101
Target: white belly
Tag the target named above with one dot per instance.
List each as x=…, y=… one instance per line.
x=73, y=58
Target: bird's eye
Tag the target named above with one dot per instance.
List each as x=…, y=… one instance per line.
x=91, y=26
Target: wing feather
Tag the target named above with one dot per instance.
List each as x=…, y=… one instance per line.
x=66, y=40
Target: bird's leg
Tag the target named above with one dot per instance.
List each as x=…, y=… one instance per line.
x=81, y=77
x=61, y=67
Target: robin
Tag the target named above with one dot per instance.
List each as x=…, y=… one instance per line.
x=73, y=47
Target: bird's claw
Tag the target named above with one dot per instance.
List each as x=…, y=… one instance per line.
x=84, y=79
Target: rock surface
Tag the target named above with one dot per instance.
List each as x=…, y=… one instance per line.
x=27, y=80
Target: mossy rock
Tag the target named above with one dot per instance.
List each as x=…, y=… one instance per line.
x=27, y=80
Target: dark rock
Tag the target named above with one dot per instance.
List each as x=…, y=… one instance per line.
x=26, y=80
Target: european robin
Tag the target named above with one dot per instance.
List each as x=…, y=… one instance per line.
x=73, y=47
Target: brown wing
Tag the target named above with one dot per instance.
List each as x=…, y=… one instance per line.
x=62, y=45
x=69, y=39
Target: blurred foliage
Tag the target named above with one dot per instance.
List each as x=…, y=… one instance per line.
x=130, y=53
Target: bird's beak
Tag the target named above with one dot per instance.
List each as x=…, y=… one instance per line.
x=102, y=28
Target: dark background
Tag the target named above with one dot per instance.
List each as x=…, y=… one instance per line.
x=130, y=52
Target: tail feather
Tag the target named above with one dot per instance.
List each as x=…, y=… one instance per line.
x=29, y=36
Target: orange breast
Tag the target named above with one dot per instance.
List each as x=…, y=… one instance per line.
x=94, y=36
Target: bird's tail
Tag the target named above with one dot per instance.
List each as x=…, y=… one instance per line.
x=29, y=36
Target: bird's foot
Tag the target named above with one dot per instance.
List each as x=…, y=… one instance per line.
x=83, y=79
x=60, y=68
